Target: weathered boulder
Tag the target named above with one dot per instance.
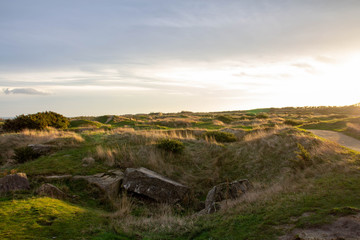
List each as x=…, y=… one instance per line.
x=109, y=182
x=50, y=190
x=151, y=184
x=41, y=149
x=225, y=191
x=14, y=182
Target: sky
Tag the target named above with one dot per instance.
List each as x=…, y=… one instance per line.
x=92, y=57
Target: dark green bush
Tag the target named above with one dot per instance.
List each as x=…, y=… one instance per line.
x=25, y=154
x=225, y=119
x=171, y=145
x=221, y=136
x=292, y=122
x=262, y=115
x=38, y=121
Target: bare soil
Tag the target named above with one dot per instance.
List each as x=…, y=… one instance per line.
x=339, y=138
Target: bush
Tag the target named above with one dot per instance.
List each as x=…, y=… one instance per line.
x=221, y=136
x=171, y=145
x=262, y=116
x=38, y=121
x=303, y=158
x=25, y=154
x=225, y=119
x=292, y=122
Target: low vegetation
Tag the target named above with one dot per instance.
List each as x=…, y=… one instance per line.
x=299, y=180
x=38, y=121
x=171, y=145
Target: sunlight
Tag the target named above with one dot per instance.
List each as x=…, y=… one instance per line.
x=342, y=81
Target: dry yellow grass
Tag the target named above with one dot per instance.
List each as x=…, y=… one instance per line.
x=123, y=205
x=262, y=133
x=160, y=218
x=10, y=141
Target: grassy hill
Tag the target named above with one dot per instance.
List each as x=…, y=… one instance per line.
x=299, y=180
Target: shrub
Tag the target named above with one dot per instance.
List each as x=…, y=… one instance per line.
x=25, y=154
x=38, y=121
x=262, y=116
x=221, y=136
x=171, y=145
x=292, y=122
x=225, y=119
x=303, y=158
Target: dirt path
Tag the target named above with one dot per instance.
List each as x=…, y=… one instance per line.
x=340, y=138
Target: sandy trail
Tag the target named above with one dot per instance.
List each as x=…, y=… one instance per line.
x=340, y=138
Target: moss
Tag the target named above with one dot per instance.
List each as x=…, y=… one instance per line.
x=45, y=218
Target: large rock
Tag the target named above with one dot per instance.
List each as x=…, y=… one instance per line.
x=150, y=184
x=14, y=182
x=50, y=190
x=41, y=149
x=109, y=182
x=225, y=191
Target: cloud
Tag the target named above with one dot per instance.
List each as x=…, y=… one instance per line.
x=325, y=59
x=26, y=91
x=307, y=67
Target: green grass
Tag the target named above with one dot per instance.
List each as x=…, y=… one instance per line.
x=332, y=195
x=259, y=110
x=102, y=119
x=84, y=123
x=247, y=128
x=67, y=161
x=206, y=125
x=45, y=218
x=334, y=125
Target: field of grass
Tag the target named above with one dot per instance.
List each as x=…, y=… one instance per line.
x=299, y=180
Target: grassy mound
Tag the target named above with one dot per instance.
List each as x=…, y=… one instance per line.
x=46, y=218
x=84, y=123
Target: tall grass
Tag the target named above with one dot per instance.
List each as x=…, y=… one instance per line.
x=10, y=141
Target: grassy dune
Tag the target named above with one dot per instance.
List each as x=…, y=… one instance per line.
x=299, y=180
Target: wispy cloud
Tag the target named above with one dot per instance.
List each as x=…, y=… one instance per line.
x=307, y=67
x=25, y=91
x=325, y=59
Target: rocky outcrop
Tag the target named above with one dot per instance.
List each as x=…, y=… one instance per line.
x=41, y=149
x=14, y=182
x=151, y=184
x=109, y=182
x=50, y=190
x=225, y=191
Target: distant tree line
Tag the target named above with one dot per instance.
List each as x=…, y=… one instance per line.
x=38, y=121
